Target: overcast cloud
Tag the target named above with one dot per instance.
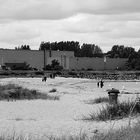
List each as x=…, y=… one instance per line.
x=102, y=22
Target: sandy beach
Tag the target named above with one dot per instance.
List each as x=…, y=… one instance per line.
x=60, y=117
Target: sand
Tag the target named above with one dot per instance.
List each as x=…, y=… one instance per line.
x=64, y=116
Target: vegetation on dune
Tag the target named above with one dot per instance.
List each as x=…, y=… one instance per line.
x=14, y=92
x=127, y=133
x=53, y=90
x=118, y=111
x=124, y=133
x=98, y=100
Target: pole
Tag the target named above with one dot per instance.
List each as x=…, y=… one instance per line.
x=44, y=58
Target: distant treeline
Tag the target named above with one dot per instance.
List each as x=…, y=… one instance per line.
x=23, y=47
x=119, y=51
x=85, y=50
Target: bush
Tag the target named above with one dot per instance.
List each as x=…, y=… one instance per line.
x=58, y=67
x=55, y=65
x=39, y=73
x=72, y=73
x=89, y=69
x=48, y=67
x=119, y=111
x=13, y=92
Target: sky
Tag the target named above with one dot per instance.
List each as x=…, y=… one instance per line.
x=101, y=22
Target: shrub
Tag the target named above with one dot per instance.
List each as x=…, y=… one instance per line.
x=13, y=92
x=39, y=73
x=119, y=111
x=55, y=65
x=58, y=73
x=48, y=67
x=72, y=73
x=89, y=69
x=58, y=67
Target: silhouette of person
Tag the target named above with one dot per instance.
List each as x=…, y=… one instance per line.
x=101, y=83
x=98, y=84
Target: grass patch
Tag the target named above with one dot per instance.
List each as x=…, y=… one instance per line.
x=124, y=133
x=14, y=92
x=98, y=100
x=111, y=112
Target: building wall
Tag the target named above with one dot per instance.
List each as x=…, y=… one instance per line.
x=62, y=57
x=96, y=63
x=66, y=59
x=34, y=57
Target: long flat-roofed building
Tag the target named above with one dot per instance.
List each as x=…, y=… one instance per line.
x=38, y=59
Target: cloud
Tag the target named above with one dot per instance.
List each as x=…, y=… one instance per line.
x=122, y=30
x=17, y=32
x=59, y=9
x=102, y=22
x=109, y=6
x=85, y=23
x=35, y=9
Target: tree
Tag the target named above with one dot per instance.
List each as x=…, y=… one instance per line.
x=86, y=50
x=91, y=50
x=55, y=65
x=121, y=52
x=23, y=47
x=97, y=52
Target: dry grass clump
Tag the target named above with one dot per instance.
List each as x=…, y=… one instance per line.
x=127, y=133
x=14, y=92
x=124, y=133
x=53, y=90
x=98, y=100
x=116, y=111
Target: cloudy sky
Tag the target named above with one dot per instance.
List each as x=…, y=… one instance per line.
x=102, y=22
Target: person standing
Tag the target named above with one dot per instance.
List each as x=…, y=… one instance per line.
x=101, y=83
x=98, y=84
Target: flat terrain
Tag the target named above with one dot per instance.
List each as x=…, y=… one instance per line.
x=64, y=116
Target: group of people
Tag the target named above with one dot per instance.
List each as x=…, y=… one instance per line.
x=100, y=83
x=52, y=75
x=44, y=78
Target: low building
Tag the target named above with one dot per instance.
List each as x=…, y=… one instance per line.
x=35, y=58
x=39, y=59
